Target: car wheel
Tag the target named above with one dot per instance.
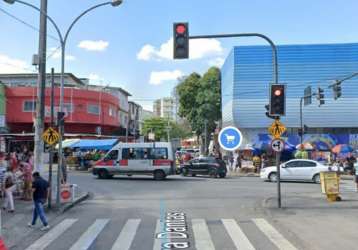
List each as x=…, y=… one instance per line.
x=316, y=178
x=213, y=173
x=159, y=175
x=193, y=175
x=273, y=177
x=184, y=171
x=103, y=174
x=222, y=175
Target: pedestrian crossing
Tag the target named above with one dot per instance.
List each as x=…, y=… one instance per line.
x=199, y=235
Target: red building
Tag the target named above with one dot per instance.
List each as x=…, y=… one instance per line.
x=87, y=111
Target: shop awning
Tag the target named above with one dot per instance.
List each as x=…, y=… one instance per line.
x=94, y=144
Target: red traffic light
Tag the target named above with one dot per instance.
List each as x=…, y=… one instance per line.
x=277, y=92
x=180, y=29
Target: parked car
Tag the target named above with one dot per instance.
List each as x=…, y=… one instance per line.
x=204, y=166
x=296, y=170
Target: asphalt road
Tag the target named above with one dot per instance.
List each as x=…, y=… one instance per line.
x=206, y=213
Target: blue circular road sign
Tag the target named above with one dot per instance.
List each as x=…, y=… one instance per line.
x=230, y=138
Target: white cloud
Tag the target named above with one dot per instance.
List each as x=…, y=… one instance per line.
x=199, y=48
x=94, y=77
x=217, y=62
x=55, y=53
x=158, y=77
x=12, y=65
x=93, y=45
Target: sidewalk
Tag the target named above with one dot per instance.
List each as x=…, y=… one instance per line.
x=14, y=225
x=317, y=223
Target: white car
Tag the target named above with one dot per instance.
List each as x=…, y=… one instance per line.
x=296, y=170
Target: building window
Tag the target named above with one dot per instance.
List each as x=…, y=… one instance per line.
x=93, y=109
x=68, y=107
x=111, y=111
x=29, y=106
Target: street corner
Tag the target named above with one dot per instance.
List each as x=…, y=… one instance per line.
x=82, y=197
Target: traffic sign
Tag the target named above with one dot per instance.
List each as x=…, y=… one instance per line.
x=230, y=138
x=278, y=145
x=65, y=193
x=277, y=129
x=51, y=136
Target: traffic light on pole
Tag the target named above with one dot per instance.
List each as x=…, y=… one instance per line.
x=277, y=100
x=181, y=40
x=320, y=96
x=60, y=118
x=337, y=90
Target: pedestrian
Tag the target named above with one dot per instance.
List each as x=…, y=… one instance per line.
x=356, y=175
x=238, y=162
x=231, y=159
x=40, y=189
x=257, y=163
x=26, y=169
x=9, y=187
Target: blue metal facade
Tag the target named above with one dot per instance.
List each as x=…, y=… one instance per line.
x=247, y=73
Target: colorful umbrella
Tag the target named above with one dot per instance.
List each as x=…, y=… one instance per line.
x=306, y=146
x=342, y=149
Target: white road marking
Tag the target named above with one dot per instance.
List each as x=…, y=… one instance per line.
x=274, y=236
x=237, y=235
x=201, y=235
x=157, y=242
x=52, y=235
x=124, y=241
x=88, y=237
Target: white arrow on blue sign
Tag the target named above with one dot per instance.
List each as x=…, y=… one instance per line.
x=230, y=138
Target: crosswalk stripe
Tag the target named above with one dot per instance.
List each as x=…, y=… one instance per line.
x=273, y=235
x=124, y=241
x=53, y=234
x=202, y=236
x=237, y=235
x=88, y=237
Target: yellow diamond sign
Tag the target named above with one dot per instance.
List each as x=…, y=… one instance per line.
x=277, y=129
x=51, y=136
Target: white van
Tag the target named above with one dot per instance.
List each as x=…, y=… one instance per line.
x=155, y=158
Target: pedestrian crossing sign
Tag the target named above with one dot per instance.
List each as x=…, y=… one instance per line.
x=51, y=136
x=277, y=129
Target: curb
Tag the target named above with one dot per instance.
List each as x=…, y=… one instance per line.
x=77, y=201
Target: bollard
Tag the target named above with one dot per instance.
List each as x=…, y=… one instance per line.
x=73, y=188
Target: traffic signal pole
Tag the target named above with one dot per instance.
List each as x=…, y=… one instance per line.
x=275, y=82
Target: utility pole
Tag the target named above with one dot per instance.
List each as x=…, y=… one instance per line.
x=205, y=137
x=51, y=125
x=41, y=85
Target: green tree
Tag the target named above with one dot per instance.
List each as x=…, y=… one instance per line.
x=200, y=102
x=159, y=126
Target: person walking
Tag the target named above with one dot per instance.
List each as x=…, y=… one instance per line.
x=356, y=174
x=26, y=169
x=9, y=187
x=40, y=189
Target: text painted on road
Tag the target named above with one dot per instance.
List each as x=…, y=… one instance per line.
x=175, y=230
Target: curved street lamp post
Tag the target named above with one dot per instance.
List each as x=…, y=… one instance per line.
x=63, y=40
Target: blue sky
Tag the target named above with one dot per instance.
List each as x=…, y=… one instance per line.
x=129, y=46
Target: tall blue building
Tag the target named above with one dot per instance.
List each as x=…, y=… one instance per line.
x=247, y=74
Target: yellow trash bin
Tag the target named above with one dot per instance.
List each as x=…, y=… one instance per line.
x=330, y=185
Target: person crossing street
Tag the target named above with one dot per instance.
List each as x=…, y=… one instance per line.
x=40, y=189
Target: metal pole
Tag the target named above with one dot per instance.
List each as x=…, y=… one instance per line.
x=51, y=148
x=301, y=119
x=278, y=156
x=60, y=127
x=41, y=84
x=273, y=46
x=206, y=136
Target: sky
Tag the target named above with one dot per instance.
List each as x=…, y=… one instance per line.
x=130, y=46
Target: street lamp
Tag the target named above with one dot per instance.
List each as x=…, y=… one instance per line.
x=63, y=40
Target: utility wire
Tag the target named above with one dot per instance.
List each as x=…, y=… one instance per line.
x=26, y=23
